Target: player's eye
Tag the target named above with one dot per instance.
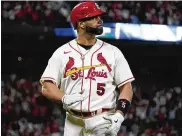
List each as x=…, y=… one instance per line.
x=91, y=18
x=87, y=19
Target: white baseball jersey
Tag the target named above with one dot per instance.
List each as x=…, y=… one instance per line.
x=95, y=72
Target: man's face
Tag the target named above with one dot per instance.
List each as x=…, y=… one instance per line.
x=93, y=25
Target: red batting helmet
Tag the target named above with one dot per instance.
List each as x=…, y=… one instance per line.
x=84, y=10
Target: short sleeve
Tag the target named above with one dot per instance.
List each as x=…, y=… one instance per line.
x=53, y=69
x=123, y=72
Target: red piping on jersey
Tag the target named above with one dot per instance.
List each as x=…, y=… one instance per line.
x=83, y=72
x=82, y=83
x=90, y=79
x=48, y=77
x=75, y=49
x=125, y=81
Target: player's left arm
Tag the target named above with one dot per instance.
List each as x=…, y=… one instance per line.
x=123, y=103
x=125, y=98
x=123, y=78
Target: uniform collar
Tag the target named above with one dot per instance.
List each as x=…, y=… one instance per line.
x=95, y=47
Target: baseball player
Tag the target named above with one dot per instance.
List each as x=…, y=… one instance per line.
x=83, y=74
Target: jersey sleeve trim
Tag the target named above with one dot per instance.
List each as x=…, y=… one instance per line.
x=127, y=80
x=47, y=78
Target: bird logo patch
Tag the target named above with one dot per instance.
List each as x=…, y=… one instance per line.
x=69, y=65
x=102, y=60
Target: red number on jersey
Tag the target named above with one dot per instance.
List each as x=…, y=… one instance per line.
x=100, y=89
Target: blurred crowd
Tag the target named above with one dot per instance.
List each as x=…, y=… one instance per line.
x=150, y=12
x=25, y=112
x=56, y=13
x=159, y=114
x=44, y=13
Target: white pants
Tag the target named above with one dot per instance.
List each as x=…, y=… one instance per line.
x=93, y=126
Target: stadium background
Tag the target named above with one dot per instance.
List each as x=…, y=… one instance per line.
x=28, y=40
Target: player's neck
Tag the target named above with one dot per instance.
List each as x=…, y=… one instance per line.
x=86, y=40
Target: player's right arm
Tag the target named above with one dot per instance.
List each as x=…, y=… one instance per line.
x=51, y=91
x=51, y=78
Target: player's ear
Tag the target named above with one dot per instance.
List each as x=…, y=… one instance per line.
x=81, y=24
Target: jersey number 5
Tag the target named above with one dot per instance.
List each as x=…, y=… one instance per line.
x=100, y=89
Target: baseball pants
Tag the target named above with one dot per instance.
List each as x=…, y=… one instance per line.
x=92, y=126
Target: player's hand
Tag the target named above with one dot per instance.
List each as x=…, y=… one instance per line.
x=116, y=121
x=72, y=98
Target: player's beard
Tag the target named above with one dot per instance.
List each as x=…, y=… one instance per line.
x=95, y=31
